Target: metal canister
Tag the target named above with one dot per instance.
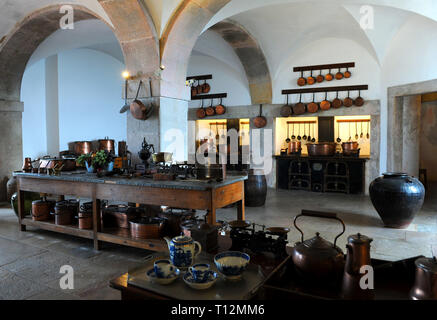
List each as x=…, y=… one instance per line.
x=85, y=216
x=63, y=214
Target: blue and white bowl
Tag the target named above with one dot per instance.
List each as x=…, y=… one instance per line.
x=232, y=264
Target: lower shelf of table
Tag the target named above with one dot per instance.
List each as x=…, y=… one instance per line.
x=113, y=235
x=122, y=236
x=51, y=226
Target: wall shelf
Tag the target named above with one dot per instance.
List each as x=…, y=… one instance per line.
x=325, y=66
x=209, y=96
x=201, y=77
x=326, y=89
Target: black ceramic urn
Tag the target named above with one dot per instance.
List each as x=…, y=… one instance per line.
x=397, y=197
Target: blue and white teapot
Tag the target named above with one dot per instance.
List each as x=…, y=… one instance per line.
x=183, y=250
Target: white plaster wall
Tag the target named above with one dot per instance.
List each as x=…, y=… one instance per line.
x=90, y=97
x=34, y=115
x=329, y=50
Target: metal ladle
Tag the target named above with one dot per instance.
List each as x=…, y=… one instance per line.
x=361, y=125
x=356, y=130
x=299, y=137
x=338, y=132
x=309, y=132
x=368, y=129
x=350, y=137
x=293, y=137
x=313, y=139
x=288, y=134
x=304, y=132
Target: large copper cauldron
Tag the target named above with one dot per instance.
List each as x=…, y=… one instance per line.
x=321, y=149
x=107, y=145
x=294, y=147
x=349, y=148
x=82, y=147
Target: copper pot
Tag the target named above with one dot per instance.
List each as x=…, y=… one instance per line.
x=349, y=147
x=325, y=104
x=82, y=147
x=321, y=149
x=146, y=227
x=175, y=217
x=206, y=88
x=41, y=210
x=299, y=108
x=63, y=213
x=329, y=76
x=294, y=147
x=85, y=216
x=285, y=110
x=347, y=74
x=339, y=75
x=67, y=164
x=220, y=108
x=348, y=102
x=313, y=107
x=302, y=80
x=359, y=101
x=337, y=103
x=107, y=145
x=311, y=80
x=320, y=77
x=260, y=121
x=425, y=285
x=316, y=258
x=118, y=216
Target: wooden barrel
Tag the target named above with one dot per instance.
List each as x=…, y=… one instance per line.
x=255, y=189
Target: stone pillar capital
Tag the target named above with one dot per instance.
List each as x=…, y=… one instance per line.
x=11, y=106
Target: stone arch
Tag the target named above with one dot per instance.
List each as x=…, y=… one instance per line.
x=251, y=56
x=136, y=33
x=178, y=40
x=18, y=46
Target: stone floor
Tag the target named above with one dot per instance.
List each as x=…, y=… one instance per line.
x=30, y=261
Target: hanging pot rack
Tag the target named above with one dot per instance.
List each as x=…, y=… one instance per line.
x=325, y=66
x=326, y=89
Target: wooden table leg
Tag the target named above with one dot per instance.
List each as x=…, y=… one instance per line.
x=211, y=216
x=240, y=210
x=21, y=209
x=240, y=205
x=97, y=227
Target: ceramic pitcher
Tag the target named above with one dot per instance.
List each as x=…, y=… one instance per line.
x=183, y=250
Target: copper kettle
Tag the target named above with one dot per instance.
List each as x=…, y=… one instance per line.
x=316, y=258
x=358, y=255
x=425, y=285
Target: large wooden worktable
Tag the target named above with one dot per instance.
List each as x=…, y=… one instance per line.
x=188, y=194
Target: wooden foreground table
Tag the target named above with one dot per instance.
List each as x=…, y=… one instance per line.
x=187, y=194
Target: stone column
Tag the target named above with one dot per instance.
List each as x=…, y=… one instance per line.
x=11, y=141
x=166, y=129
x=411, y=135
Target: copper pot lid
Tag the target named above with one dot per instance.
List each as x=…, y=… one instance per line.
x=318, y=246
x=359, y=238
x=427, y=264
